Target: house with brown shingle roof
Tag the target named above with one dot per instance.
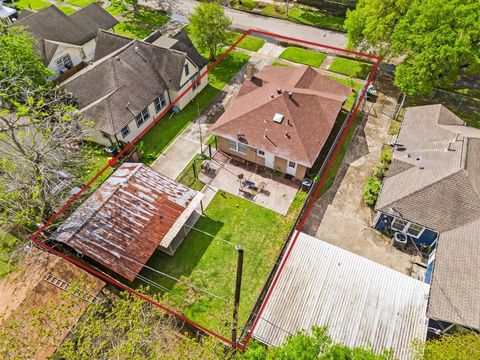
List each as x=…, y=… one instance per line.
x=432, y=196
x=281, y=118
x=65, y=41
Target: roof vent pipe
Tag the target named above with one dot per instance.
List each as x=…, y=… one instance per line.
x=279, y=91
x=449, y=146
x=290, y=94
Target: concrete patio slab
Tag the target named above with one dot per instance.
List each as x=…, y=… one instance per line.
x=277, y=194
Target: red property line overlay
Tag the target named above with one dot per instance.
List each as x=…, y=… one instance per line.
x=129, y=146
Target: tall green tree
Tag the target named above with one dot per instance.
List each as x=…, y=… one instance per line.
x=437, y=39
x=209, y=27
x=19, y=65
x=311, y=347
x=458, y=346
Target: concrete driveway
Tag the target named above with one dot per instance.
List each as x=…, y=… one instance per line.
x=180, y=9
x=341, y=217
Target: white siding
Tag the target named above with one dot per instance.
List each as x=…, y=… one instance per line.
x=89, y=50
x=361, y=302
x=76, y=54
x=134, y=129
x=192, y=93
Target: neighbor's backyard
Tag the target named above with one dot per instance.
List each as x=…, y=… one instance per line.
x=209, y=263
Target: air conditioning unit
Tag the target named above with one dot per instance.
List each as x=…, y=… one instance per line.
x=399, y=240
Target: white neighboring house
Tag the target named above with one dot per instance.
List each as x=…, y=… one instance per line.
x=130, y=83
x=65, y=41
x=6, y=13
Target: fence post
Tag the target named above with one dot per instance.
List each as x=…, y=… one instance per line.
x=210, y=149
x=194, y=169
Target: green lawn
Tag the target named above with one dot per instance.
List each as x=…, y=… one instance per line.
x=351, y=68
x=302, y=56
x=97, y=160
x=187, y=177
x=304, y=15
x=66, y=9
x=355, y=85
x=80, y=3
x=137, y=27
x=8, y=244
x=132, y=30
x=244, y=4
x=210, y=263
x=277, y=63
x=32, y=4
x=249, y=42
x=168, y=128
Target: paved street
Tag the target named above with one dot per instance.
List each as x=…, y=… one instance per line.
x=179, y=9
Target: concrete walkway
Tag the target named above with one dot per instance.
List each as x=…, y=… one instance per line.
x=341, y=217
x=180, y=9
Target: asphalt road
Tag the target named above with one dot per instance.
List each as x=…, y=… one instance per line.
x=179, y=9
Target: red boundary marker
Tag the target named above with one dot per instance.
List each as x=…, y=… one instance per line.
x=113, y=161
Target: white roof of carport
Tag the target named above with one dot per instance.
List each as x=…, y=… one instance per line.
x=361, y=302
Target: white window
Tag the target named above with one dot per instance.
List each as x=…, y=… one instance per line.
x=187, y=71
x=142, y=117
x=125, y=131
x=242, y=149
x=261, y=153
x=195, y=84
x=160, y=103
x=64, y=63
x=292, y=164
x=407, y=227
x=238, y=147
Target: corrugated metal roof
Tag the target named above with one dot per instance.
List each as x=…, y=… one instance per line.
x=122, y=223
x=361, y=302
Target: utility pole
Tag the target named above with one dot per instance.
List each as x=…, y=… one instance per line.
x=238, y=286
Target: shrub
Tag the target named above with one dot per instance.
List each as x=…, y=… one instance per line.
x=371, y=191
x=379, y=171
x=386, y=156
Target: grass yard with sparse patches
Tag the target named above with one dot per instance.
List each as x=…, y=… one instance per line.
x=131, y=30
x=137, y=27
x=187, y=176
x=66, y=9
x=355, y=85
x=246, y=5
x=80, y=3
x=303, y=56
x=32, y=4
x=97, y=160
x=351, y=68
x=277, y=63
x=210, y=263
x=166, y=130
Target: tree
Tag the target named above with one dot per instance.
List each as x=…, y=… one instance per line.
x=310, y=347
x=18, y=63
x=39, y=155
x=458, y=346
x=437, y=39
x=209, y=27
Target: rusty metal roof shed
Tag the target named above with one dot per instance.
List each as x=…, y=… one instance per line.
x=132, y=213
x=361, y=302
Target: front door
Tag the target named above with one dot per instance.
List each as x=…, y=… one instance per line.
x=291, y=167
x=269, y=160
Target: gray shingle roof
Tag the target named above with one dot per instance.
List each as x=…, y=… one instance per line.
x=77, y=29
x=107, y=42
x=113, y=90
x=185, y=44
x=435, y=182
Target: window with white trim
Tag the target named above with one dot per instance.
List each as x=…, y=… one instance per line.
x=142, y=117
x=187, y=71
x=238, y=147
x=292, y=164
x=407, y=227
x=195, y=84
x=261, y=153
x=64, y=63
x=125, y=131
x=242, y=149
x=160, y=103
